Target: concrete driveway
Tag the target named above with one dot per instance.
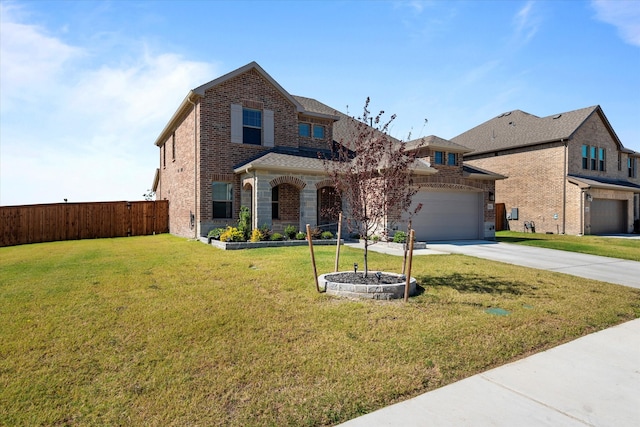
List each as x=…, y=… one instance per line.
x=611, y=270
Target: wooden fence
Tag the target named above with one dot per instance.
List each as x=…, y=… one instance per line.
x=72, y=221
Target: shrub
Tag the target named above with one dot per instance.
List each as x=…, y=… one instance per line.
x=244, y=222
x=326, y=235
x=215, y=233
x=265, y=232
x=290, y=232
x=316, y=233
x=256, y=235
x=276, y=236
x=232, y=234
x=400, y=237
x=300, y=235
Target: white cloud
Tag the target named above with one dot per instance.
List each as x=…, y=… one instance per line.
x=86, y=134
x=526, y=23
x=624, y=15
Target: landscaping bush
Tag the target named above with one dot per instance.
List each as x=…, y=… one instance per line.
x=300, y=235
x=265, y=232
x=316, y=233
x=290, y=232
x=276, y=237
x=215, y=233
x=244, y=222
x=326, y=235
x=232, y=234
x=256, y=235
x=400, y=237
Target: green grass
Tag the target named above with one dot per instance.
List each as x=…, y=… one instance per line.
x=164, y=331
x=594, y=245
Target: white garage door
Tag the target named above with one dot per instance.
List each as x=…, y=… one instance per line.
x=608, y=216
x=447, y=216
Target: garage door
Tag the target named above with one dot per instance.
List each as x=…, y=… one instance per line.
x=608, y=216
x=447, y=216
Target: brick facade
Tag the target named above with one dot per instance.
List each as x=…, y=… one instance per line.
x=201, y=132
x=537, y=183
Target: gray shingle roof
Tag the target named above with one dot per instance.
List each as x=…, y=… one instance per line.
x=433, y=141
x=517, y=129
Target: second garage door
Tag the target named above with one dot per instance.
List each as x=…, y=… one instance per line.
x=608, y=216
x=447, y=216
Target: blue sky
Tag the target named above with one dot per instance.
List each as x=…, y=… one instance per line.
x=86, y=87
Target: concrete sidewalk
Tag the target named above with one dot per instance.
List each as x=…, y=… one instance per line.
x=591, y=381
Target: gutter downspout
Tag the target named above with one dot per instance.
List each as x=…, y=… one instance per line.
x=195, y=169
x=564, y=188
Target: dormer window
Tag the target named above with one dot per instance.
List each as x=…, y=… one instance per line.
x=439, y=158
x=304, y=129
x=318, y=131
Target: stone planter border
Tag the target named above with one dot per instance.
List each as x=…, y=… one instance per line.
x=400, y=246
x=230, y=246
x=379, y=292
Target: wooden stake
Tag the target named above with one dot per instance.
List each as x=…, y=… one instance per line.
x=406, y=286
x=338, y=247
x=405, y=246
x=313, y=258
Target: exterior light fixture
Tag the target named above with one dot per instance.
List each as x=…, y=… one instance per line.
x=492, y=196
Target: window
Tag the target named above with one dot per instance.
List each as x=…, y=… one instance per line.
x=275, y=205
x=222, y=199
x=619, y=161
x=439, y=158
x=631, y=165
x=304, y=129
x=164, y=156
x=451, y=159
x=592, y=158
x=601, y=159
x=585, y=157
x=173, y=146
x=251, y=126
x=318, y=131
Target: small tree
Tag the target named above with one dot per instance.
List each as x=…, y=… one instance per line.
x=373, y=174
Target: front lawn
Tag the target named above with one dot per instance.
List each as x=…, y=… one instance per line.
x=594, y=245
x=162, y=331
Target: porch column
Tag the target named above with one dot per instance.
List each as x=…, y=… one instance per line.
x=308, y=206
x=263, y=201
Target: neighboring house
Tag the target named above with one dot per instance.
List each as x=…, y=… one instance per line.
x=242, y=140
x=567, y=173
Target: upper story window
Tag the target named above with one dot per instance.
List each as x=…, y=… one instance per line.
x=439, y=158
x=222, y=199
x=601, y=159
x=632, y=167
x=593, y=158
x=619, y=161
x=585, y=157
x=251, y=126
x=451, y=159
x=304, y=129
x=318, y=131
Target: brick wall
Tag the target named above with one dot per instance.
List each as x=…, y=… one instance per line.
x=535, y=185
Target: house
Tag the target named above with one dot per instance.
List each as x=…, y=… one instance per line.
x=243, y=140
x=567, y=173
